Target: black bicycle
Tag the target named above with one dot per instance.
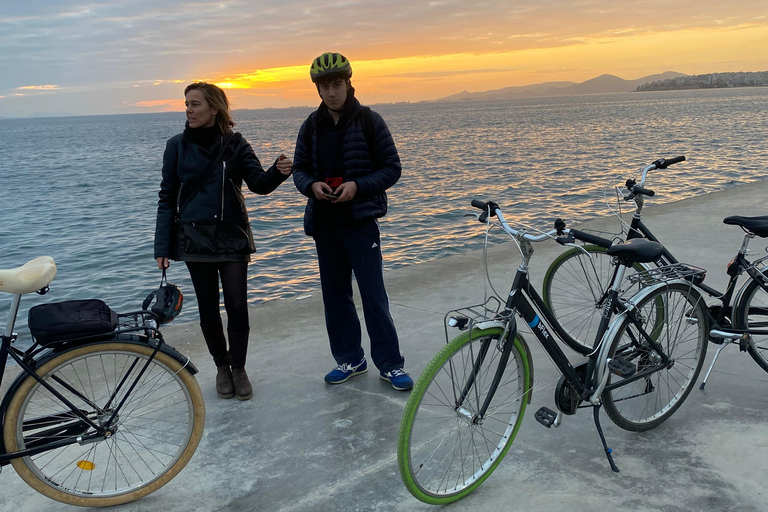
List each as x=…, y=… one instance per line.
x=576, y=285
x=467, y=406
x=101, y=419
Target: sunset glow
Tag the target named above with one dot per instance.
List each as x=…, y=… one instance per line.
x=145, y=54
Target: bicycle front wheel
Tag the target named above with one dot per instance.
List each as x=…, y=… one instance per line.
x=675, y=317
x=445, y=448
x=574, y=289
x=752, y=314
x=154, y=434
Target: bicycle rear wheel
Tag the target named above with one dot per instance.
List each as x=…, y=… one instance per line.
x=752, y=314
x=444, y=449
x=573, y=289
x=675, y=317
x=156, y=432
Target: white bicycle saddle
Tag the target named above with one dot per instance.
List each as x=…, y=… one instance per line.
x=32, y=276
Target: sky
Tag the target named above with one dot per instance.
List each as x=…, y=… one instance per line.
x=128, y=56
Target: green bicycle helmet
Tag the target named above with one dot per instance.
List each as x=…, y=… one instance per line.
x=329, y=66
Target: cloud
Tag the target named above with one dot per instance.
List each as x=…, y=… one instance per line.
x=174, y=102
x=40, y=87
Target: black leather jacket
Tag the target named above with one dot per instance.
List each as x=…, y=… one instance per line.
x=214, y=221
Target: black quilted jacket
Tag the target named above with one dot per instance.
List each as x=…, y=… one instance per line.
x=372, y=179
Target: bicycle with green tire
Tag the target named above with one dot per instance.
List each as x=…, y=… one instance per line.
x=467, y=406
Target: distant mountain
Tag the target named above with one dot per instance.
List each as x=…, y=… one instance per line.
x=599, y=85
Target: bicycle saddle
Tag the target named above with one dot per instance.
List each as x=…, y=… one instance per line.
x=756, y=225
x=32, y=276
x=636, y=250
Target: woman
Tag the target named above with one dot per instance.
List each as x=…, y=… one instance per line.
x=203, y=171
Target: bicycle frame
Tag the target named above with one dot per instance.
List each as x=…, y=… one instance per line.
x=525, y=301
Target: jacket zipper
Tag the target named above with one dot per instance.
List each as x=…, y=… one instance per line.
x=178, y=199
x=223, y=177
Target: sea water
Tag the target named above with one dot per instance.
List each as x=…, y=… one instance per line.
x=84, y=189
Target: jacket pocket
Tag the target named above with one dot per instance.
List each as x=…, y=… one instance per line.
x=197, y=238
x=216, y=238
x=238, y=237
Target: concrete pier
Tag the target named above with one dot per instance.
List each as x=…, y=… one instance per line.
x=302, y=445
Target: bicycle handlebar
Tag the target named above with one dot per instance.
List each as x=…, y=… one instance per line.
x=661, y=163
x=637, y=190
x=489, y=207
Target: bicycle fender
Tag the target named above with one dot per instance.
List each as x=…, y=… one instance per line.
x=618, y=320
x=736, y=302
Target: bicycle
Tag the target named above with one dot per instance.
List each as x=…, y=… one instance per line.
x=101, y=419
x=576, y=283
x=467, y=406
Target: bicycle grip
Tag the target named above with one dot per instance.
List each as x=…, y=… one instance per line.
x=663, y=163
x=644, y=191
x=591, y=239
x=478, y=204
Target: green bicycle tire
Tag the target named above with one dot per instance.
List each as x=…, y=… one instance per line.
x=444, y=369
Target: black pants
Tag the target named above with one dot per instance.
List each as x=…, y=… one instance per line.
x=205, y=279
x=341, y=251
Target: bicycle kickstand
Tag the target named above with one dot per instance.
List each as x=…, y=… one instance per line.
x=608, y=451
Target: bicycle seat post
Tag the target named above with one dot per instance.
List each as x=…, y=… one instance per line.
x=12, y=314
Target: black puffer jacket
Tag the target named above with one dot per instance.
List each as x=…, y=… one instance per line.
x=372, y=180
x=213, y=224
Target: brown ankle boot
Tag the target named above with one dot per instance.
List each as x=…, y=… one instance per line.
x=225, y=387
x=243, y=388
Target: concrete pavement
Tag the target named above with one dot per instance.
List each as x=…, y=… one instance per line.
x=301, y=445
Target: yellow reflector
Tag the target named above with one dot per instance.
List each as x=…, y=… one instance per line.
x=86, y=465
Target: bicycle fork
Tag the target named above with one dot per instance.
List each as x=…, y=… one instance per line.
x=507, y=335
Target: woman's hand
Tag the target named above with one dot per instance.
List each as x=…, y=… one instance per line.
x=284, y=164
x=163, y=263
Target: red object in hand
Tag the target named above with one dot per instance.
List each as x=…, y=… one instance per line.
x=334, y=182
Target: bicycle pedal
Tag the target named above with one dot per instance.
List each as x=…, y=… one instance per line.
x=622, y=367
x=546, y=417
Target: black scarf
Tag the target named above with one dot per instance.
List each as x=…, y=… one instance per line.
x=208, y=138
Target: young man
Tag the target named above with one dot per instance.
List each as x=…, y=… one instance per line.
x=345, y=160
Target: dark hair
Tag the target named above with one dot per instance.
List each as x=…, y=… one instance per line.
x=217, y=99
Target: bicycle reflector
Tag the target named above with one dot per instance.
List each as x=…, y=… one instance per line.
x=169, y=300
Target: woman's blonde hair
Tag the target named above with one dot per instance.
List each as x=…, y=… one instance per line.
x=217, y=99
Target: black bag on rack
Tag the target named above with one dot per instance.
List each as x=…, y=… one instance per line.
x=70, y=319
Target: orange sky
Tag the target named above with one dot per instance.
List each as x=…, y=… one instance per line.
x=114, y=56
x=691, y=51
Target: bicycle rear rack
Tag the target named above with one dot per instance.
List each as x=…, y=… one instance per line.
x=668, y=273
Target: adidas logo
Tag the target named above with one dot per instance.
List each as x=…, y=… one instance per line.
x=375, y=245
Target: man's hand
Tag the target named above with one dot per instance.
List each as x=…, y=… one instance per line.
x=346, y=191
x=319, y=187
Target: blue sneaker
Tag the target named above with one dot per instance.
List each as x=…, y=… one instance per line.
x=399, y=379
x=344, y=371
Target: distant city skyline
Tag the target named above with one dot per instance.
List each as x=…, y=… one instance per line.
x=108, y=57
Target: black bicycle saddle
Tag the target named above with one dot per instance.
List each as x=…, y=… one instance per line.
x=637, y=250
x=756, y=225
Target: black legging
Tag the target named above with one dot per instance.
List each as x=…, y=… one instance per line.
x=205, y=279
